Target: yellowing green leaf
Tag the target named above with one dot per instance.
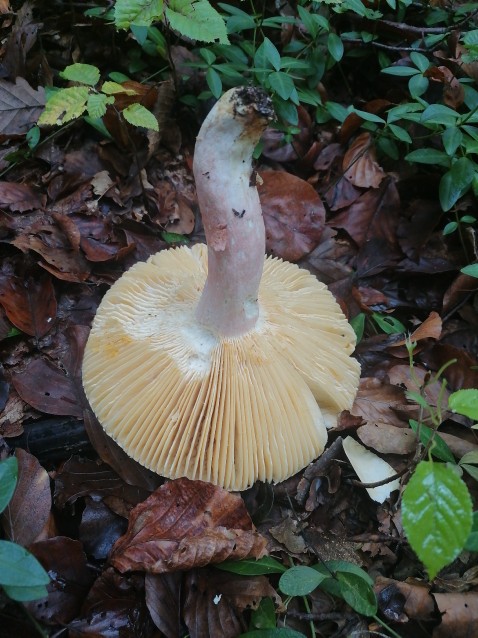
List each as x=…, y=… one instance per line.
x=96, y=104
x=83, y=73
x=110, y=88
x=437, y=514
x=65, y=105
x=138, y=115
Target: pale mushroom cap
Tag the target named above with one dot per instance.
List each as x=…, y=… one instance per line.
x=229, y=410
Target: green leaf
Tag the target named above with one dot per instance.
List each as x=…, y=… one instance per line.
x=282, y=84
x=280, y=632
x=403, y=71
x=465, y=402
x=8, y=480
x=19, y=568
x=300, y=580
x=111, y=88
x=138, y=115
x=214, y=82
x=357, y=593
x=250, y=567
x=358, y=325
x=388, y=324
x=472, y=470
x=337, y=111
x=65, y=105
x=24, y=594
x=336, y=566
x=439, y=448
x=264, y=617
x=400, y=133
x=335, y=46
x=472, y=541
x=138, y=12
x=452, y=138
x=436, y=514
x=197, y=21
x=96, y=104
x=428, y=156
x=369, y=117
x=33, y=137
x=174, y=238
x=98, y=125
x=420, y=61
x=83, y=73
x=271, y=54
x=417, y=85
x=450, y=228
x=455, y=182
x=470, y=457
x=439, y=114
x=471, y=270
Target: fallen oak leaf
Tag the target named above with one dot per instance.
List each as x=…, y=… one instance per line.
x=359, y=164
x=186, y=524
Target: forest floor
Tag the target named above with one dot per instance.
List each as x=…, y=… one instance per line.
x=79, y=210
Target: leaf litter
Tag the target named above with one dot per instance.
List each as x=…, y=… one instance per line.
x=124, y=559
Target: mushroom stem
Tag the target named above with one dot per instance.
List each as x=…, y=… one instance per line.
x=231, y=210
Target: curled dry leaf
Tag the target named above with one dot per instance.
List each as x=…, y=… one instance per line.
x=294, y=215
x=30, y=303
x=28, y=512
x=186, y=524
x=376, y=400
x=401, y=601
x=370, y=468
x=387, y=439
x=359, y=164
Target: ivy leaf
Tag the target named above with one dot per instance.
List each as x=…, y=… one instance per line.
x=437, y=514
x=83, y=73
x=197, y=21
x=465, y=402
x=138, y=12
x=8, y=480
x=65, y=105
x=138, y=115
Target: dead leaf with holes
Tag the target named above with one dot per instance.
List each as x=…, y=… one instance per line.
x=186, y=524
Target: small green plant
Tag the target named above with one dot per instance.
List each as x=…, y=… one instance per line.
x=339, y=578
x=22, y=577
x=86, y=97
x=437, y=510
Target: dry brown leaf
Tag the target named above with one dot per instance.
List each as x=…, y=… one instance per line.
x=430, y=329
x=29, y=302
x=375, y=402
x=459, y=613
x=28, y=512
x=359, y=164
x=163, y=595
x=186, y=524
x=20, y=106
x=413, y=597
x=294, y=215
x=20, y=197
x=387, y=439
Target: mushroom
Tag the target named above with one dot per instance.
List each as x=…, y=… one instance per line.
x=211, y=363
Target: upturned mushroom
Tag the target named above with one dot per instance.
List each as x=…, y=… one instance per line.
x=219, y=363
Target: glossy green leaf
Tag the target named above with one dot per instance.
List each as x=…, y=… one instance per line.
x=19, y=568
x=419, y=60
x=465, y=401
x=271, y=54
x=300, y=580
x=450, y=228
x=400, y=133
x=403, y=71
x=174, y=238
x=388, y=324
x=417, y=85
x=439, y=114
x=138, y=115
x=33, y=137
x=436, y=514
x=452, y=138
x=250, y=567
x=8, y=480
